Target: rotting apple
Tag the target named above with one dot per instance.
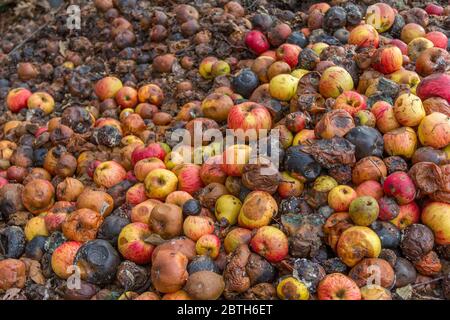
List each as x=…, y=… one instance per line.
x=271, y=243
x=408, y=214
x=208, y=244
x=131, y=243
x=357, y=243
x=196, y=226
x=400, y=186
x=434, y=130
x=257, y=210
x=62, y=260
x=364, y=36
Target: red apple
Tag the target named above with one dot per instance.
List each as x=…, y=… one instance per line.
x=127, y=97
x=257, y=42
x=107, y=87
x=337, y=286
x=288, y=53
x=408, y=214
x=211, y=171
x=400, y=186
x=109, y=173
x=250, y=117
x=17, y=99
x=131, y=243
x=271, y=243
x=136, y=194
x=434, y=9
x=351, y=101
x=63, y=258
x=387, y=59
x=147, y=165
x=208, y=244
x=194, y=227
x=152, y=150
x=235, y=158
x=435, y=85
x=364, y=36
x=188, y=177
x=439, y=39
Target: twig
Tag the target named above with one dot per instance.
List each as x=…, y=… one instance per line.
x=427, y=282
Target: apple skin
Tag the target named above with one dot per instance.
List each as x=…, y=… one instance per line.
x=205, y=67
x=290, y=288
x=127, y=97
x=401, y=45
x=194, y=227
x=340, y=197
x=283, y=86
x=364, y=36
x=147, y=165
x=434, y=130
x=436, y=216
x=208, y=244
x=400, y=142
x=249, y=116
x=337, y=286
x=271, y=243
x=107, y=87
x=160, y=183
x=439, y=39
x=357, y=243
x=370, y=188
x=387, y=59
x=257, y=42
x=288, y=53
x=17, y=99
x=435, y=85
x=289, y=186
x=136, y=194
x=151, y=93
x=400, y=186
x=350, y=101
x=227, y=209
x=13, y=274
x=235, y=238
x=54, y=221
x=142, y=211
x=188, y=177
x=381, y=16
x=150, y=151
x=334, y=81
x=409, y=214
x=257, y=210
x=109, y=173
x=211, y=170
x=131, y=243
x=235, y=158
x=41, y=100
x=434, y=9
x=412, y=31
x=63, y=258
x=35, y=227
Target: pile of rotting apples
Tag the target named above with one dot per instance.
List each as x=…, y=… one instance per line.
x=357, y=208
